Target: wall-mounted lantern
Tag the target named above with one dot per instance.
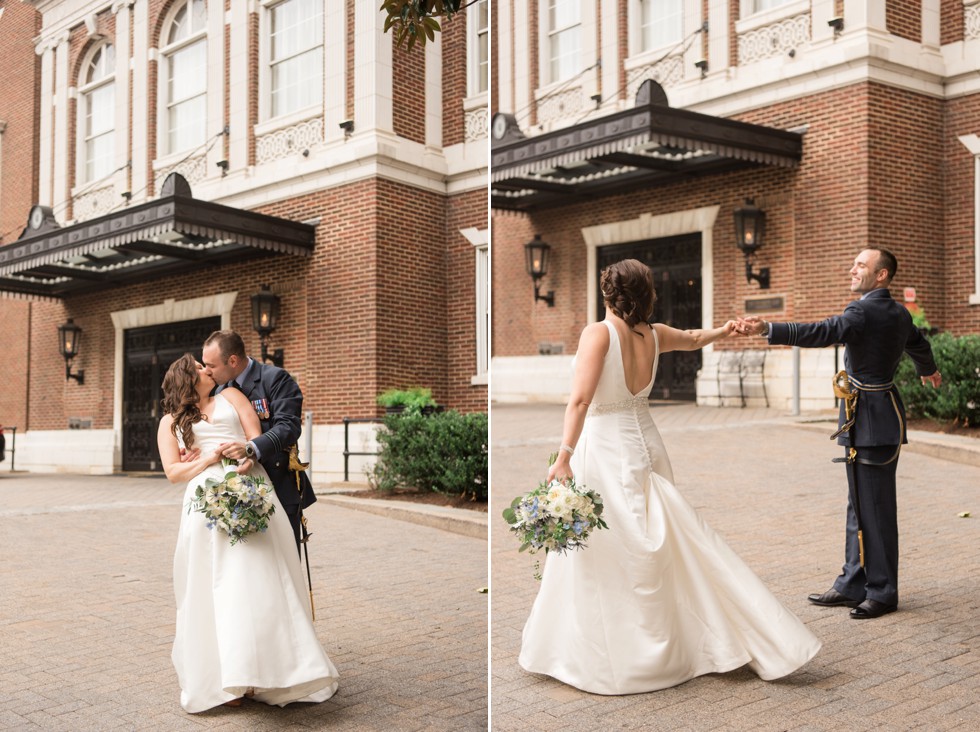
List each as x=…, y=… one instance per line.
x=536, y=254
x=265, y=317
x=750, y=232
x=69, y=343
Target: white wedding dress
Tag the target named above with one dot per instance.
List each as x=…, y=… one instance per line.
x=657, y=598
x=243, y=611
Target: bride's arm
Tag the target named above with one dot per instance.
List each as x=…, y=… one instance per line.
x=592, y=348
x=250, y=424
x=175, y=470
x=672, y=339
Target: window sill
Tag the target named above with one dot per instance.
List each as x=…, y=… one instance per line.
x=480, y=380
x=287, y=120
x=773, y=15
x=477, y=101
x=975, y=298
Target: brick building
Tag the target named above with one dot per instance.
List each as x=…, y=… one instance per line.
x=849, y=123
x=173, y=157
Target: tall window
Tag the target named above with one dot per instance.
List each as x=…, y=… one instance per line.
x=296, y=55
x=564, y=29
x=98, y=113
x=478, y=50
x=186, y=68
x=662, y=23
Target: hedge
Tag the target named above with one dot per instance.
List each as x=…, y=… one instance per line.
x=958, y=399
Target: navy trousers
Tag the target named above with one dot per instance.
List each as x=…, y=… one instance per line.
x=878, y=579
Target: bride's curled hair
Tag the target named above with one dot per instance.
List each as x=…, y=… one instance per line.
x=627, y=290
x=180, y=398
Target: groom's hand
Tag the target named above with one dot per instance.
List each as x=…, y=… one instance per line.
x=233, y=450
x=189, y=456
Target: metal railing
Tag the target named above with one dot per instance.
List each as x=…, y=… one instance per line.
x=348, y=421
x=13, y=443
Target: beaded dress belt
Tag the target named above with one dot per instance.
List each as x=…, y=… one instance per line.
x=624, y=405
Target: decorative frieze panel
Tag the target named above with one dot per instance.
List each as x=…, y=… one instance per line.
x=666, y=72
x=560, y=106
x=289, y=140
x=193, y=169
x=971, y=21
x=94, y=203
x=776, y=39
x=476, y=124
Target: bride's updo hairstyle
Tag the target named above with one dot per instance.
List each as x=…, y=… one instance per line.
x=180, y=397
x=627, y=291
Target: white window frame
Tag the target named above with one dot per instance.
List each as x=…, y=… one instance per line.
x=265, y=76
x=643, y=46
x=480, y=239
x=166, y=52
x=553, y=33
x=85, y=88
x=761, y=6
x=474, y=61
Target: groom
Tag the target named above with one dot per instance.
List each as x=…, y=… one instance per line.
x=278, y=401
x=876, y=331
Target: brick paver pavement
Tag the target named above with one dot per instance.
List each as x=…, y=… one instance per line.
x=87, y=615
x=769, y=488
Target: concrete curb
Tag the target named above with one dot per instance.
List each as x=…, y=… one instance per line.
x=456, y=520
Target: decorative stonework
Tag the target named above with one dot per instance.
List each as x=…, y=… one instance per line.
x=666, y=72
x=774, y=40
x=193, y=169
x=560, y=106
x=94, y=203
x=971, y=21
x=289, y=140
x=477, y=124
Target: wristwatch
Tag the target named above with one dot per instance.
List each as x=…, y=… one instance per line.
x=249, y=451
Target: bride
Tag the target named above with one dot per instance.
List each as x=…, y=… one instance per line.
x=659, y=597
x=244, y=624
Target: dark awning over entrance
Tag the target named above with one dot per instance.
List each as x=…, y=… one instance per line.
x=650, y=144
x=172, y=234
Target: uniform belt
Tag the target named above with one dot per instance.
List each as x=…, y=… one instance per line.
x=870, y=387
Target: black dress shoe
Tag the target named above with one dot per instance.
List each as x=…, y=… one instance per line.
x=872, y=609
x=832, y=598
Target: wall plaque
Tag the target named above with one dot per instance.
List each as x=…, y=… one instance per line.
x=764, y=305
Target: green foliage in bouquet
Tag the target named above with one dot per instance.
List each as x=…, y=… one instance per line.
x=238, y=505
x=958, y=399
x=445, y=452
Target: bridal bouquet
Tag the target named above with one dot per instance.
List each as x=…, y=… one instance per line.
x=239, y=505
x=555, y=517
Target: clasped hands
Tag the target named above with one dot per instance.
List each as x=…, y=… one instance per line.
x=230, y=450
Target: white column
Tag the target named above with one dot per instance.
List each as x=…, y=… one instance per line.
x=609, y=53
x=122, y=95
x=505, y=57
x=59, y=197
x=238, y=91
x=46, y=102
x=433, y=89
x=718, y=43
x=868, y=14
x=695, y=50
x=373, y=74
x=931, y=24
x=520, y=57
x=141, y=60
x=216, y=87
x=821, y=12
x=335, y=50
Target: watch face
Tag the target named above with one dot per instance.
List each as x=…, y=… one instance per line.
x=37, y=218
x=499, y=125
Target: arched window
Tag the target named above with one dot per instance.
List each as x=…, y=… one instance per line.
x=296, y=55
x=185, y=75
x=97, y=113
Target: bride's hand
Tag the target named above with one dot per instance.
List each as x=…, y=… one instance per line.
x=189, y=456
x=560, y=469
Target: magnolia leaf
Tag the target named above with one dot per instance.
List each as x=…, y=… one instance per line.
x=963, y=514
x=524, y=547
x=510, y=516
x=483, y=590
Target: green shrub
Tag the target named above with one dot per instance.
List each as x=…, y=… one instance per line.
x=958, y=399
x=412, y=399
x=444, y=452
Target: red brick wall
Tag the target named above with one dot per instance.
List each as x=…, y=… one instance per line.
x=454, y=77
x=950, y=21
x=408, y=90
x=464, y=211
x=904, y=18
x=959, y=227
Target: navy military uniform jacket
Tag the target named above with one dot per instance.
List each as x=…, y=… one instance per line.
x=875, y=330
x=278, y=401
